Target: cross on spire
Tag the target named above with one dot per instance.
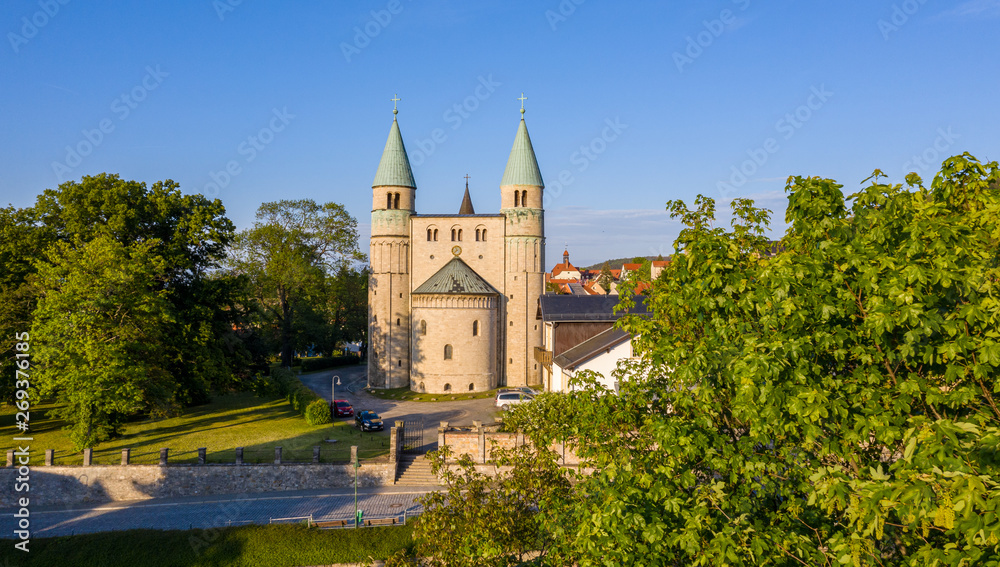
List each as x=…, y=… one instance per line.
x=395, y=98
x=522, y=99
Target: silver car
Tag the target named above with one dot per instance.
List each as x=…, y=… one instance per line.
x=508, y=398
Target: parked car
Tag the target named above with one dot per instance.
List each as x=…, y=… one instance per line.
x=368, y=421
x=523, y=389
x=342, y=408
x=505, y=399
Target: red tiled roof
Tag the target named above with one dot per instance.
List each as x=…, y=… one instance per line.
x=661, y=263
x=632, y=267
x=616, y=273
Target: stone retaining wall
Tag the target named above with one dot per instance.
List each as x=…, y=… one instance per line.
x=56, y=485
x=479, y=443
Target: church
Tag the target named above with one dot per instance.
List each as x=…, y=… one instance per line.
x=453, y=298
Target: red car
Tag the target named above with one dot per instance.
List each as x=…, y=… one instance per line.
x=342, y=409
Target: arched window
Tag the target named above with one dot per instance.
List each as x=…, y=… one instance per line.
x=472, y=387
x=447, y=387
x=453, y=234
x=524, y=199
x=459, y=235
x=477, y=235
x=388, y=200
x=517, y=198
x=397, y=321
x=447, y=352
x=396, y=202
x=435, y=235
x=429, y=235
x=484, y=235
x=423, y=327
x=475, y=328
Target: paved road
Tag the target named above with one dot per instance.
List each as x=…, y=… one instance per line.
x=353, y=381
x=219, y=511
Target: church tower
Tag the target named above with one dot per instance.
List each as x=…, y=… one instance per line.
x=524, y=243
x=389, y=283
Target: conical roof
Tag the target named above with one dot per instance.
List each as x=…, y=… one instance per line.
x=522, y=167
x=394, y=169
x=458, y=278
x=466, y=208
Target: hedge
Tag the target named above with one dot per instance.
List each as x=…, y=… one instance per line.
x=313, y=364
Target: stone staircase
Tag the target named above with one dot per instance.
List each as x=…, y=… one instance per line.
x=415, y=470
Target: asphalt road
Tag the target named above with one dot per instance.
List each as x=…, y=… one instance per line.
x=430, y=414
x=221, y=510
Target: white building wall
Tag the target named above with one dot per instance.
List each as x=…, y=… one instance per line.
x=603, y=364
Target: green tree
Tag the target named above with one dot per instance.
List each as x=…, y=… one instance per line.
x=98, y=334
x=496, y=520
x=606, y=278
x=21, y=241
x=832, y=405
x=287, y=256
x=191, y=234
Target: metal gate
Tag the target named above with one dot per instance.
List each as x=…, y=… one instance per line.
x=413, y=436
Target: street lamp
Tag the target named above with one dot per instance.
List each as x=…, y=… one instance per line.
x=334, y=382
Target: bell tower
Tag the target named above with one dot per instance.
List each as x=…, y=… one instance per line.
x=524, y=243
x=393, y=193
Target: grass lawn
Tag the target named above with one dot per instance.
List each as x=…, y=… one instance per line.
x=229, y=421
x=405, y=393
x=245, y=546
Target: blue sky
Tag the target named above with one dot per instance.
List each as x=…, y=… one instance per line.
x=629, y=103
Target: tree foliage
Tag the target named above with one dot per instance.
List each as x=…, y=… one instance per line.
x=288, y=257
x=834, y=404
x=98, y=334
x=491, y=520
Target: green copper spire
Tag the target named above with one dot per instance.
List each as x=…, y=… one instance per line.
x=522, y=167
x=394, y=169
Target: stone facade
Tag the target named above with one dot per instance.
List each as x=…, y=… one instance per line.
x=408, y=335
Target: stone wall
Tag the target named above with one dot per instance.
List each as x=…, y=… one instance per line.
x=57, y=485
x=480, y=443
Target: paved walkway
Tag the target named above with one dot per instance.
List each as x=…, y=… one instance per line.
x=219, y=511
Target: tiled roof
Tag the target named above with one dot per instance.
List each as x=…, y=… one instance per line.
x=631, y=267
x=563, y=308
x=457, y=277
x=661, y=263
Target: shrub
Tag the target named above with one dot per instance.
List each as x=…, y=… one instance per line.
x=313, y=364
x=318, y=412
